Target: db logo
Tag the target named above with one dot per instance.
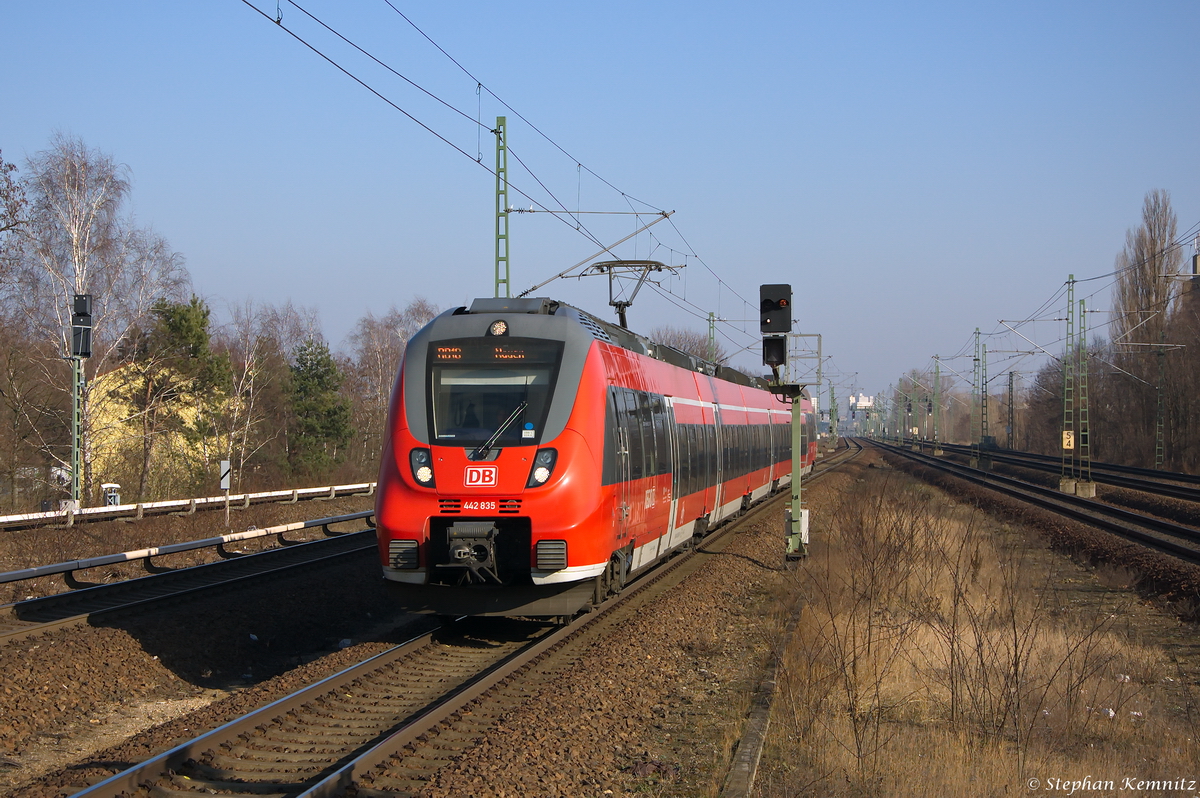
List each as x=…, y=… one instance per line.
x=481, y=477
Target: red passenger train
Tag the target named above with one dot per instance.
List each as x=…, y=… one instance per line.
x=537, y=456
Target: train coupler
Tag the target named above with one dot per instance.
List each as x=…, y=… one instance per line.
x=472, y=547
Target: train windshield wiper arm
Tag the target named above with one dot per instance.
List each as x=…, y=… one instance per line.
x=482, y=451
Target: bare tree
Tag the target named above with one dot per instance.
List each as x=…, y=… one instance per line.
x=258, y=340
x=12, y=213
x=377, y=346
x=1143, y=297
x=690, y=341
x=77, y=242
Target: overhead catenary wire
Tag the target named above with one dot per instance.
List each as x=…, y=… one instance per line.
x=517, y=113
x=477, y=121
x=564, y=215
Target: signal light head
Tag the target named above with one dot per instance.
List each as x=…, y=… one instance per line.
x=774, y=350
x=775, y=308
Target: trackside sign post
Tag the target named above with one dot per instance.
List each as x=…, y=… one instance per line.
x=225, y=487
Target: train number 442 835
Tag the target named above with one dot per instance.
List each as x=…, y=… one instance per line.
x=479, y=505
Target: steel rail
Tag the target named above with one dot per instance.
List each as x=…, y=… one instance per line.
x=242, y=500
x=407, y=732
x=1112, y=519
x=1158, y=482
x=36, y=616
x=146, y=555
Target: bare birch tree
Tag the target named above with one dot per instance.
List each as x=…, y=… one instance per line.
x=76, y=241
x=12, y=214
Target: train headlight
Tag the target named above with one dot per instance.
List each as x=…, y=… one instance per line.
x=499, y=327
x=422, y=467
x=543, y=467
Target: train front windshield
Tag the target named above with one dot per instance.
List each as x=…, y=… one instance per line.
x=477, y=383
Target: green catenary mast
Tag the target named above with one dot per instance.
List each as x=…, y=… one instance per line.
x=502, y=282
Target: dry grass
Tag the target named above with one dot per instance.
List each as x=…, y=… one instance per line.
x=935, y=656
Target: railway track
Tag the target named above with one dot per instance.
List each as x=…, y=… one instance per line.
x=1160, y=483
x=385, y=726
x=32, y=617
x=1166, y=536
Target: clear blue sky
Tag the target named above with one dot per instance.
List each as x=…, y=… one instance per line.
x=914, y=170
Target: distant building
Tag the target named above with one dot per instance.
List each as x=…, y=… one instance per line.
x=861, y=402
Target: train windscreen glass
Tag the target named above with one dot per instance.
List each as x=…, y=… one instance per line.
x=477, y=383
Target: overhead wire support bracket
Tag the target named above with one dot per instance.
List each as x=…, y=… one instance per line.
x=567, y=272
x=616, y=269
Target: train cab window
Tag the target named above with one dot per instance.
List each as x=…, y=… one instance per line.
x=477, y=383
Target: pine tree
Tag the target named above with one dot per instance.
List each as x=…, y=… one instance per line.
x=321, y=426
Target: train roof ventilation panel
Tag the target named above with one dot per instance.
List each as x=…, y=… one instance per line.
x=598, y=332
x=543, y=306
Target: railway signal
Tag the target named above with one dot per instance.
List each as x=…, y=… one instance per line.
x=775, y=321
x=81, y=347
x=81, y=326
x=775, y=308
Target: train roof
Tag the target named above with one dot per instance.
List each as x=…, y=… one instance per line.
x=613, y=334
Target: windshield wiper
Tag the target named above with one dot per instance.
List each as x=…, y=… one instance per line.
x=482, y=451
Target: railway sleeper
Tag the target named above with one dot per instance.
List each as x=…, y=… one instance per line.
x=374, y=713
x=241, y=754
x=159, y=791
x=342, y=725
x=214, y=786
x=237, y=772
x=328, y=737
x=276, y=748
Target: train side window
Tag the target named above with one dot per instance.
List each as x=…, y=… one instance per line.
x=662, y=434
x=681, y=460
x=633, y=432
x=710, y=448
x=645, y=414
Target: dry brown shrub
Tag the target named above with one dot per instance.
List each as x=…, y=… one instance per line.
x=936, y=656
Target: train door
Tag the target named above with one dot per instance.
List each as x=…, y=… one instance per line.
x=678, y=533
x=621, y=499
x=659, y=513
x=718, y=462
